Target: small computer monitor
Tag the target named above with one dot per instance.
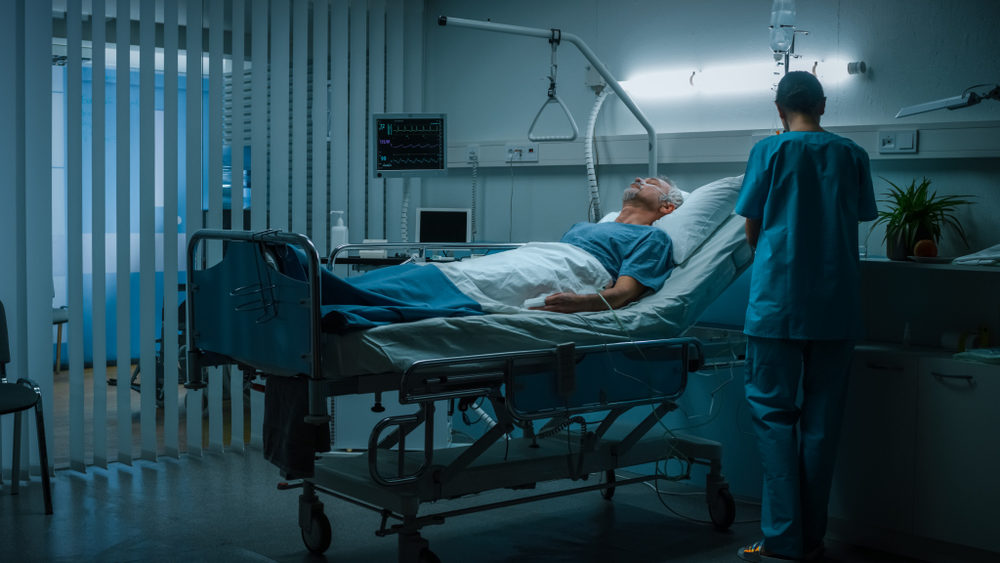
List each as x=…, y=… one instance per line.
x=438, y=224
x=409, y=145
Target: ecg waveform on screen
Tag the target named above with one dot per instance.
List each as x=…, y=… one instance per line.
x=414, y=160
x=410, y=143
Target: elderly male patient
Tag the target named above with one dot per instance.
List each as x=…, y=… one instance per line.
x=635, y=254
x=594, y=267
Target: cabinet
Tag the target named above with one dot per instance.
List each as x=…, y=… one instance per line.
x=958, y=453
x=920, y=449
x=874, y=477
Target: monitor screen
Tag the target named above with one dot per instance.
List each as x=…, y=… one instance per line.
x=409, y=144
x=443, y=225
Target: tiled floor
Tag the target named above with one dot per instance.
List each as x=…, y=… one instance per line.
x=225, y=507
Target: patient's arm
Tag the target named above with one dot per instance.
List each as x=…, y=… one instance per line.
x=625, y=290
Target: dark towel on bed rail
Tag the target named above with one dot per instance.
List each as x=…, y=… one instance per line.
x=407, y=292
x=289, y=441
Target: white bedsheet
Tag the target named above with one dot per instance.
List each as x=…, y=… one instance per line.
x=690, y=288
x=501, y=282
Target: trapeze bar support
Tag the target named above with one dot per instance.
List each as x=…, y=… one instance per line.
x=587, y=53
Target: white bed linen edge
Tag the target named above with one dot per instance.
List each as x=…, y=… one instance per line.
x=501, y=282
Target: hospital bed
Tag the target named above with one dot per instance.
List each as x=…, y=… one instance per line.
x=541, y=372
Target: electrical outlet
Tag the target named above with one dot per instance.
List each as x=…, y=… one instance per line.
x=894, y=142
x=521, y=152
x=472, y=153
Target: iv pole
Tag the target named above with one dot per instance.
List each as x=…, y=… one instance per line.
x=587, y=53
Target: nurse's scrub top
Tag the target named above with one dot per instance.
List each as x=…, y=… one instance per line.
x=810, y=190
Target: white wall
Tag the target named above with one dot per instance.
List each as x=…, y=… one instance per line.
x=917, y=50
x=492, y=84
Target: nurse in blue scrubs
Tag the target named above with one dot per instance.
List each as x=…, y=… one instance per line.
x=803, y=195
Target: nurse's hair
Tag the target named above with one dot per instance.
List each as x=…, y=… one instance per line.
x=801, y=92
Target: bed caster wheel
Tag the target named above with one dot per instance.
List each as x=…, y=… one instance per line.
x=427, y=556
x=319, y=535
x=722, y=509
x=609, y=492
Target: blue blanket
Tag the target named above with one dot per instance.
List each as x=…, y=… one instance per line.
x=407, y=292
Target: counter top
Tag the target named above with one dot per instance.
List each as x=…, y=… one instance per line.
x=885, y=262
x=916, y=352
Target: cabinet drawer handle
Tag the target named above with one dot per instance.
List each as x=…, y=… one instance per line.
x=971, y=380
x=884, y=367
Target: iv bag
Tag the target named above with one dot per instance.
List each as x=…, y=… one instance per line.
x=782, y=25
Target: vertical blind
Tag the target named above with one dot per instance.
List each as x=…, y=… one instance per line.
x=184, y=114
x=27, y=157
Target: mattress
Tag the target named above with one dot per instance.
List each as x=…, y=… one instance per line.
x=666, y=313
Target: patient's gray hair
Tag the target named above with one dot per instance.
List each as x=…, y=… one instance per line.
x=674, y=195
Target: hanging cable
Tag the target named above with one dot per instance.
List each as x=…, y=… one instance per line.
x=475, y=174
x=588, y=157
x=404, y=231
x=563, y=425
x=510, y=207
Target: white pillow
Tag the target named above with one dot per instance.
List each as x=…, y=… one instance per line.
x=704, y=209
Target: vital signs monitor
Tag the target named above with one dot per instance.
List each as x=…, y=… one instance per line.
x=409, y=145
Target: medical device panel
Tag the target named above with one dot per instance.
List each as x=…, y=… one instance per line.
x=439, y=224
x=409, y=145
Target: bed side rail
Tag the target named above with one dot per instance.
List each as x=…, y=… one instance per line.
x=565, y=379
x=560, y=381
x=621, y=375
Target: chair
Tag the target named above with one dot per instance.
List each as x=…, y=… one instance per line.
x=60, y=316
x=14, y=399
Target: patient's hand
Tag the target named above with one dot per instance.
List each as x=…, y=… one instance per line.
x=572, y=303
x=624, y=291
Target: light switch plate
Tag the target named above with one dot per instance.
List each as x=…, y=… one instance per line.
x=903, y=141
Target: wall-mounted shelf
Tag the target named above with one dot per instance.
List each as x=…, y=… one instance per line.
x=979, y=139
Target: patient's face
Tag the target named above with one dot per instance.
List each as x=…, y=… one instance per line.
x=645, y=192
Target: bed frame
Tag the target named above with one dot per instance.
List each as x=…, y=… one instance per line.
x=241, y=311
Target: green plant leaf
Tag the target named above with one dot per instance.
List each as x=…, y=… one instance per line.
x=914, y=210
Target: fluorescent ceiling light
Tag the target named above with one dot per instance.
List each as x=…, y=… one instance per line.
x=731, y=79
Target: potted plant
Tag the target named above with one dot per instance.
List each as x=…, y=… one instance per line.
x=916, y=215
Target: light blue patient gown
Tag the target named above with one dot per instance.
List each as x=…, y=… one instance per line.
x=809, y=190
x=638, y=251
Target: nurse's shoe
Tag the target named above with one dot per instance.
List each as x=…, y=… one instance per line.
x=755, y=553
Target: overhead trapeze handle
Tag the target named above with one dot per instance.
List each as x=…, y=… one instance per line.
x=554, y=41
x=553, y=98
